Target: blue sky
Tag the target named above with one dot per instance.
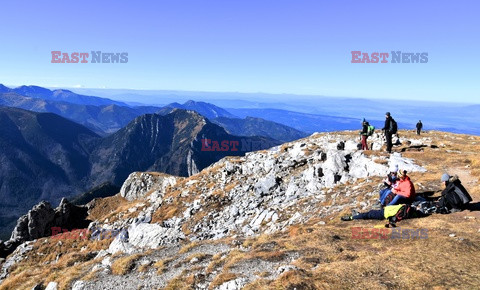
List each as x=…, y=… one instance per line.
x=300, y=47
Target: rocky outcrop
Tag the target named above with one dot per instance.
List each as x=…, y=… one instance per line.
x=262, y=192
x=259, y=192
x=38, y=222
x=35, y=224
x=144, y=235
x=138, y=184
x=19, y=253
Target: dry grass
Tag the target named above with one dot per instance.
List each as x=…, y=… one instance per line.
x=330, y=258
x=106, y=206
x=199, y=257
x=188, y=247
x=230, y=186
x=123, y=265
x=222, y=278
x=162, y=265
x=325, y=254
x=181, y=282
x=215, y=263
x=60, y=261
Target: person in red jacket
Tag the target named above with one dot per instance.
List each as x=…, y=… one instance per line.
x=404, y=189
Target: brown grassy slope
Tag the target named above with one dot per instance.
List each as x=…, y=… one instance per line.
x=328, y=257
x=332, y=259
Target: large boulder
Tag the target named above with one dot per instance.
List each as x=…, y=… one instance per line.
x=139, y=184
x=35, y=224
x=145, y=236
x=38, y=223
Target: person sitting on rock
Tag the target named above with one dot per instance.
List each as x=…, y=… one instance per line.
x=403, y=191
x=454, y=197
x=389, y=182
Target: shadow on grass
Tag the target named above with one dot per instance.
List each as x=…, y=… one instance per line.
x=475, y=206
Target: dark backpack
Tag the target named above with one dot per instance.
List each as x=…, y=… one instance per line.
x=393, y=126
x=405, y=212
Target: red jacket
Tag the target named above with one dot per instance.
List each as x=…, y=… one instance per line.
x=405, y=188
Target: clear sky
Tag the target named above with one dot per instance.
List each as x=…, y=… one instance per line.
x=272, y=46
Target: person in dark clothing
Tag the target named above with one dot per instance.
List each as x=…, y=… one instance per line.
x=387, y=128
x=375, y=214
x=391, y=177
x=364, y=134
x=419, y=127
x=454, y=197
x=393, y=213
x=389, y=182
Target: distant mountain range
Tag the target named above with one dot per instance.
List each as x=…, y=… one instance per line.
x=111, y=116
x=248, y=126
x=59, y=95
x=103, y=119
x=45, y=156
x=301, y=121
x=452, y=116
x=205, y=109
x=251, y=126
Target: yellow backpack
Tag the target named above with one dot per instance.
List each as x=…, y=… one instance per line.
x=392, y=210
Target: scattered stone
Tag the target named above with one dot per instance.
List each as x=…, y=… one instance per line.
x=38, y=287
x=283, y=269
x=52, y=286
x=236, y=284
x=261, y=192
x=78, y=285
x=107, y=262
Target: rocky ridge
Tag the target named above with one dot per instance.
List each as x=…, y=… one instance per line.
x=258, y=193
x=262, y=192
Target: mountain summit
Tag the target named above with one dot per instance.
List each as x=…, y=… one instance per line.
x=208, y=110
x=267, y=220
x=170, y=144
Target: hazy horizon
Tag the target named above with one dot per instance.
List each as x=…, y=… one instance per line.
x=118, y=94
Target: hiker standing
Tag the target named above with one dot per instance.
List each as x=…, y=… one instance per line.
x=389, y=131
x=419, y=127
x=364, y=133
